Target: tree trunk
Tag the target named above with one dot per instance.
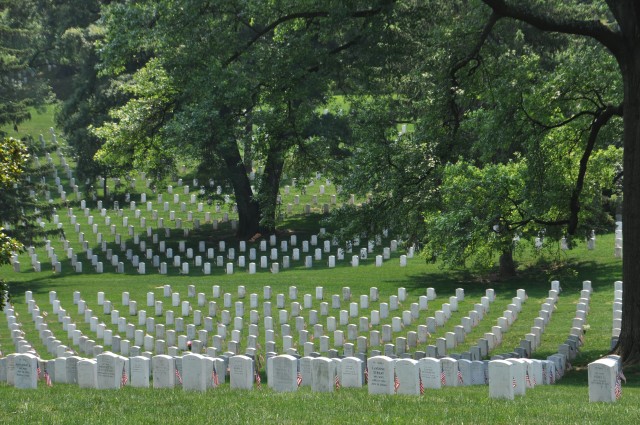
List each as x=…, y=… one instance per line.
x=248, y=207
x=270, y=186
x=248, y=148
x=629, y=342
x=507, y=265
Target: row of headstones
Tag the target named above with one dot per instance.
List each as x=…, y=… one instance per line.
x=617, y=250
x=161, y=345
x=407, y=317
x=532, y=340
x=179, y=181
x=575, y=340
x=140, y=336
x=450, y=341
x=502, y=392
x=197, y=260
x=101, y=181
x=201, y=337
x=176, y=199
x=78, y=267
x=402, y=343
x=527, y=345
x=186, y=190
x=400, y=348
x=617, y=312
x=21, y=345
x=112, y=371
x=438, y=350
x=285, y=373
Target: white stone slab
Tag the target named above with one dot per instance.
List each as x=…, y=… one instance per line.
x=501, y=379
x=381, y=374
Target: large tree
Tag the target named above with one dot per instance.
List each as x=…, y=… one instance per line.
x=23, y=61
x=227, y=69
x=494, y=96
x=617, y=28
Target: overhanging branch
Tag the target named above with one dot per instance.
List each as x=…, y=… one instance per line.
x=594, y=29
x=291, y=17
x=599, y=121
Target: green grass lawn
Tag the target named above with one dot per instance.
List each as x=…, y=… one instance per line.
x=565, y=402
x=39, y=123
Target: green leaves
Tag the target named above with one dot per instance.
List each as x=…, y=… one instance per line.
x=13, y=159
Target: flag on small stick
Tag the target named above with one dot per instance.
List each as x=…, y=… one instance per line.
x=178, y=377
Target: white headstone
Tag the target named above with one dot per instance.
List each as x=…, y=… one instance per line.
x=25, y=371
x=87, y=373
x=323, y=372
x=604, y=380
x=140, y=370
x=242, y=372
x=381, y=374
x=501, y=380
x=194, y=375
x=164, y=368
x=283, y=372
x=408, y=376
x=352, y=372
x=111, y=368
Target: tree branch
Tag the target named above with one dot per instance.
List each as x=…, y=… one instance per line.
x=337, y=50
x=552, y=126
x=599, y=121
x=473, y=54
x=594, y=29
x=299, y=15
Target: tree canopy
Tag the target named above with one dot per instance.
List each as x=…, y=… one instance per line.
x=465, y=126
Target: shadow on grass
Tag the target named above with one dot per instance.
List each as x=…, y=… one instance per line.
x=536, y=278
x=38, y=285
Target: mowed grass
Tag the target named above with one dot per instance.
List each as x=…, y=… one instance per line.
x=563, y=403
x=566, y=402
x=39, y=123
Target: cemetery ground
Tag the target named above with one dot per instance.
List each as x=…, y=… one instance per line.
x=566, y=401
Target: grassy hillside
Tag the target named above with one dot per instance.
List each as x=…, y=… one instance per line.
x=566, y=401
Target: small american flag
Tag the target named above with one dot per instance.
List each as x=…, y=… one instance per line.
x=443, y=378
x=552, y=376
x=258, y=381
x=396, y=383
x=124, y=379
x=460, y=380
x=38, y=370
x=618, y=388
x=47, y=379
x=366, y=375
x=526, y=377
x=178, y=377
x=337, y=381
x=299, y=379
x=214, y=376
x=421, y=384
